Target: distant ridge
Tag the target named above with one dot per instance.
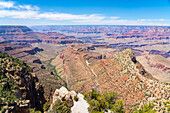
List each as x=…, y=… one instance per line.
x=11, y=28
x=23, y=35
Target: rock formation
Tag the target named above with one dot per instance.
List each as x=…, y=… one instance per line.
x=17, y=34
x=64, y=94
x=27, y=93
x=122, y=74
x=77, y=106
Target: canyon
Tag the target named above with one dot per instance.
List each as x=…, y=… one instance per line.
x=132, y=61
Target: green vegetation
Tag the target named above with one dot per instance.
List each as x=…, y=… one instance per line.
x=145, y=108
x=52, y=81
x=52, y=67
x=61, y=107
x=14, y=63
x=46, y=106
x=167, y=83
x=32, y=110
x=100, y=103
x=2, y=56
x=8, y=88
x=7, y=92
x=76, y=98
x=3, y=110
x=167, y=105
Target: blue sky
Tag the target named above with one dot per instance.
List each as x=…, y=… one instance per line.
x=85, y=12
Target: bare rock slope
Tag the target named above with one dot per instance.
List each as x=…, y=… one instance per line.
x=157, y=65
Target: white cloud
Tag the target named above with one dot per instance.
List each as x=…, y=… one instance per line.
x=11, y=4
x=143, y=20
x=31, y=12
x=65, y=16
x=114, y=18
x=18, y=14
x=60, y=16
x=28, y=7
x=8, y=4
x=10, y=9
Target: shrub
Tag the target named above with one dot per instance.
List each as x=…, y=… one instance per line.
x=3, y=110
x=61, y=107
x=2, y=55
x=32, y=110
x=145, y=108
x=167, y=105
x=101, y=103
x=46, y=106
x=117, y=107
x=76, y=98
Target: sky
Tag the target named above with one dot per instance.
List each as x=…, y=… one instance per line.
x=85, y=12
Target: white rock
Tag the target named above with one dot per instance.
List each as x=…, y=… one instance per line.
x=73, y=93
x=81, y=106
x=63, y=91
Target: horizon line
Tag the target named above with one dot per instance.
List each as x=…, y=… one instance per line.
x=86, y=25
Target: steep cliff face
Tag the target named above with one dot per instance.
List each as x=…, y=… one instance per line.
x=122, y=74
x=157, y=65
x=17, y=34
x=20, y=89
x=14, y=29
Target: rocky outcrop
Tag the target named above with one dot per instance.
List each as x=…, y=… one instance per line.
x=77, y=106
x=27, y=93
x=64, y=94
